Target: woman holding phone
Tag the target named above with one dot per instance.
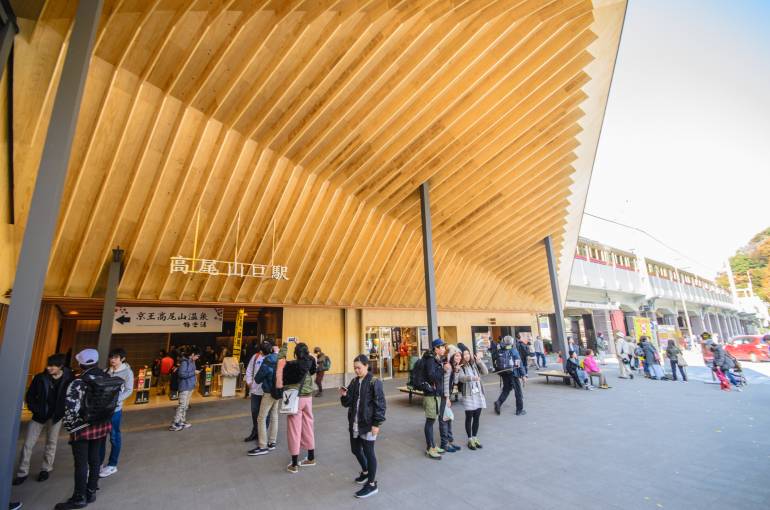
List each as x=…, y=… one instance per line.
x=365, y=400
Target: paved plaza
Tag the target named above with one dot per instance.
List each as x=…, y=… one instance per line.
x=640, y=445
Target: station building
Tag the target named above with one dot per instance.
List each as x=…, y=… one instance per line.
x=268, y=156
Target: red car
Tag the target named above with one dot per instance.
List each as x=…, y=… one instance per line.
x=748, y=348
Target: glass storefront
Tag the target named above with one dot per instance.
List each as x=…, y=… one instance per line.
x=393, y=350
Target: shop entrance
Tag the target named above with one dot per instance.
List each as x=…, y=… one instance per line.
x=393, y=350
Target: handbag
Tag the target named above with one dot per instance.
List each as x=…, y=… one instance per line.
x=290, y=399
x=448, y=414
x=680, y=360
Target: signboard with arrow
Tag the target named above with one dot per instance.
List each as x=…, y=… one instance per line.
x=130, y=319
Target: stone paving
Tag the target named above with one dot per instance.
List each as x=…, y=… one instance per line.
x=640, y=445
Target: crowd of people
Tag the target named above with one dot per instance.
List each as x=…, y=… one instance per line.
x=90, y=404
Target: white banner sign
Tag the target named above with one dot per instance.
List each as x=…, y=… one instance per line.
x=167, y=320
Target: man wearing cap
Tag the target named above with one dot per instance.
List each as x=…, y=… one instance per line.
x=86, y=439
x=623, y=355
x=434, y=400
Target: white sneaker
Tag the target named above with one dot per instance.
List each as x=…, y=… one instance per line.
x=106, y=471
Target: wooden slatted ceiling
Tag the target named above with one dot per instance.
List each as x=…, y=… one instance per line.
x=318, y=119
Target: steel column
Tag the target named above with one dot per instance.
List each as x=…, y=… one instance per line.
x=427, y=261
x=35, y=253
x=108, y=311
x=558, y=309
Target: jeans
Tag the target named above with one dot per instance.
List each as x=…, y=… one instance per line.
x=733, y=380
x=86, y=454
x=34, y=429
x=116, y=441
x=364, y=452
x=540, y=359
x=181, y=411
x=472, y=422
x=511, y=383
x=429, y=441
x=319, y=378
x=656, y=371
x=444, y=427
x=674, y=365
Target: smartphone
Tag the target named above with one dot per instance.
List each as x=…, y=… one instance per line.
x=292, y=339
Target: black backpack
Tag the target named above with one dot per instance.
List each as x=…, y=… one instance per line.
x=504, y=360
x=418, y=380
x=100, y=399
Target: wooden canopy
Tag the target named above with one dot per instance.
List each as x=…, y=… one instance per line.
x=317, y=121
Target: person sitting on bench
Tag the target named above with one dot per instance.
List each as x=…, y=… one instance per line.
x=577, y=373
x=592, y=368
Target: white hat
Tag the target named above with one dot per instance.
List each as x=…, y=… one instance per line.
x=87, y=356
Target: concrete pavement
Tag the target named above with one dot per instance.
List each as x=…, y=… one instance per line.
x=640, y=445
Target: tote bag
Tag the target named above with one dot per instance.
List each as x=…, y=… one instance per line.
x=290, y=399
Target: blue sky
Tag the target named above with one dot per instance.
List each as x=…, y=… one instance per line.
x=685, y=148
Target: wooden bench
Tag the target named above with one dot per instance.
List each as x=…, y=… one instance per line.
x=566, y=378
x=411, y=391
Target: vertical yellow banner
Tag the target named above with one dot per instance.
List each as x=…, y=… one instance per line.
x=238, y=334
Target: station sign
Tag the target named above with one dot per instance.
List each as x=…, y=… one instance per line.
x=134, y=319
x=191, y=265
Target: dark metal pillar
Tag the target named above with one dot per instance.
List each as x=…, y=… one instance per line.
x=427, y=260
x=108, y=312
x=559, y=339
x=32, y=266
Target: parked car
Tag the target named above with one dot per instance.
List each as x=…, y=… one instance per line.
x=749, y=348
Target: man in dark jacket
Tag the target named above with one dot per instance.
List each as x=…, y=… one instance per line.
x=45, y=399
x=433, y=374
x=86, y=439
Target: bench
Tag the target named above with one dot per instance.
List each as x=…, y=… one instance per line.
x=411, y=391
x=566, y=379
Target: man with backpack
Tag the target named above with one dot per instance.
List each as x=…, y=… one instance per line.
x=324, y=363
x=508, y=365
x=186, y=375
x=428, y=377
x=89, y=404
x=271, y=399
x=45, y=399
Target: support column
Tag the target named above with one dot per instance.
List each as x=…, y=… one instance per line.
x=709, y=324
x=427, y=261
x=108, y=312
x=559, y=338
x=35, y=253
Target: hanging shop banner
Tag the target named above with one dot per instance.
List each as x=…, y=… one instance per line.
x=642, y=327
x=189, y=265
x=130, y=319
x=238, y=339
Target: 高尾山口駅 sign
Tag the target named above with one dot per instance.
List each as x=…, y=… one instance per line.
x=187, y=265
x=130, y=319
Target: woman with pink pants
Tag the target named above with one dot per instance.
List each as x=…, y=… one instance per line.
x=297, y=374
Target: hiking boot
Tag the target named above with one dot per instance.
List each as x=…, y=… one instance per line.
x=307, y=462
x=362, y=478
x=370, y=489
x=19, y=480
x=433, y=453
x=106, y=471
x=292, y=468
x=257, y=451
x=73, y=502
x=497, y=407
x=42, y=476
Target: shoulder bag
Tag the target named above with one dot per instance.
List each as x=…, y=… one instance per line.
x=290, y=399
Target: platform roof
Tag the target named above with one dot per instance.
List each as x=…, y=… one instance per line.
x=318, y=120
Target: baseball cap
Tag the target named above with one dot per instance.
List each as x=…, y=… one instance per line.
x=87, y=356
x=438, y=343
